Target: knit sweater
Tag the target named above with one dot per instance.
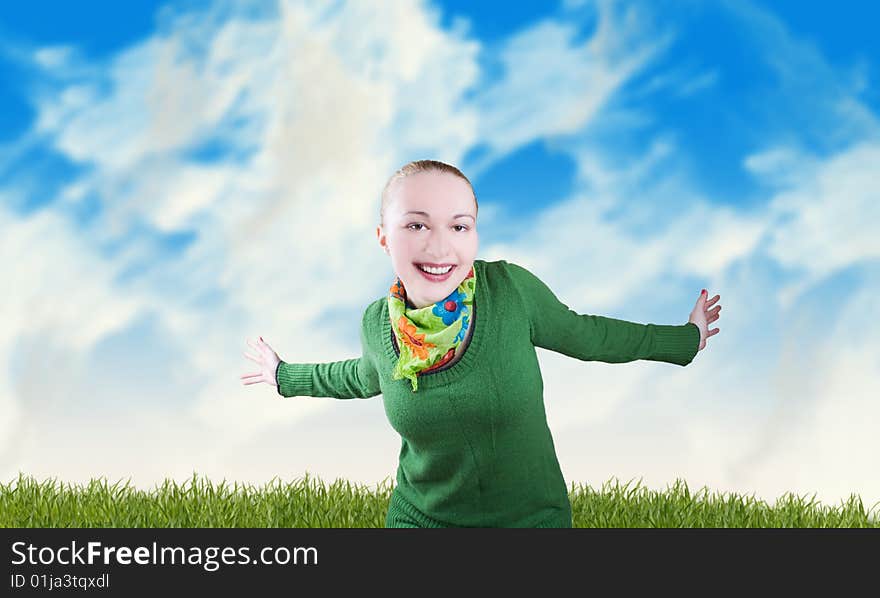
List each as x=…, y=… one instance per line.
x=476, y=450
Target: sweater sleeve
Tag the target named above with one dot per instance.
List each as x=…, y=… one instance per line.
x=355, y=378
x=598, y=338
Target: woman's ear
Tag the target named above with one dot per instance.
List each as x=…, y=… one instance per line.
x=382, y=241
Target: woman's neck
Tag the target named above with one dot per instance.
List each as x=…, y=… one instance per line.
x=411, y=305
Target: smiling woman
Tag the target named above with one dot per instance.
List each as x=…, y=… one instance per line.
x=428, y=225
x=465, y=396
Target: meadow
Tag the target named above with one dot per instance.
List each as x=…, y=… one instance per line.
x=308, y=502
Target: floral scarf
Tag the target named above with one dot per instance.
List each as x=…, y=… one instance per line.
x=428, y=336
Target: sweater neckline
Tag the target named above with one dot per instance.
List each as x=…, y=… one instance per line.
x=472, y=350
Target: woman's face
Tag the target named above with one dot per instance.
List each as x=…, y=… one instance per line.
x=445, y=233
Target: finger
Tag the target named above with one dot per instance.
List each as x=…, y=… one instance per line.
x=251, y=381
x=713, y=300
x=711, y=319
x=252, y=358
x=243, y=376
x=253, y=344
x=714, y=331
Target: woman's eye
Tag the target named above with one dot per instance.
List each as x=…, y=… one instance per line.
x=410, y=226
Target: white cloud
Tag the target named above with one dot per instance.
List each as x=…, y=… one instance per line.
x=700, y=82
x=819, y=99
x=827, y=218
x=57, y=303
x=54, y=57
x=554, y=87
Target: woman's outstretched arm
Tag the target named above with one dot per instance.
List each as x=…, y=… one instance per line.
x=598, y=338
x=347, y=379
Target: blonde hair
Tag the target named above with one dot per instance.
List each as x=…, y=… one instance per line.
x=421, y=166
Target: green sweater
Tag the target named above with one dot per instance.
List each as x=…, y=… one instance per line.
x=475, y=446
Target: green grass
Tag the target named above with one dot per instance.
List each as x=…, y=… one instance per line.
x=309, y=502
x=617, y=505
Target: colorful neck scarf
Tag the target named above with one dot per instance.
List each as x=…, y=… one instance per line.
x=429, y=336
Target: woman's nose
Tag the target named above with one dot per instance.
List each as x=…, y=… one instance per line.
x=438, y=245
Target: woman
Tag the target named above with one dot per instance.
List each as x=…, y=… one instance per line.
x=452, y=350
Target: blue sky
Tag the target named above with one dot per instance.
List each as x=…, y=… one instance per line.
x=711, y=40
x=740, y=100
x=170, y=185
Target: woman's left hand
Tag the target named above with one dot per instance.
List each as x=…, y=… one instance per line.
x=702, y=316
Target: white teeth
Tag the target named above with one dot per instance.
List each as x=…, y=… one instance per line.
x=436, y=270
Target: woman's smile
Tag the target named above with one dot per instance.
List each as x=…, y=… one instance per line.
x=435, y=277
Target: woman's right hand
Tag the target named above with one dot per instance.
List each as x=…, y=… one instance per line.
x=268, y=361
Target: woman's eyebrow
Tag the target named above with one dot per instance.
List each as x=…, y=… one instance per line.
x=426, y=215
